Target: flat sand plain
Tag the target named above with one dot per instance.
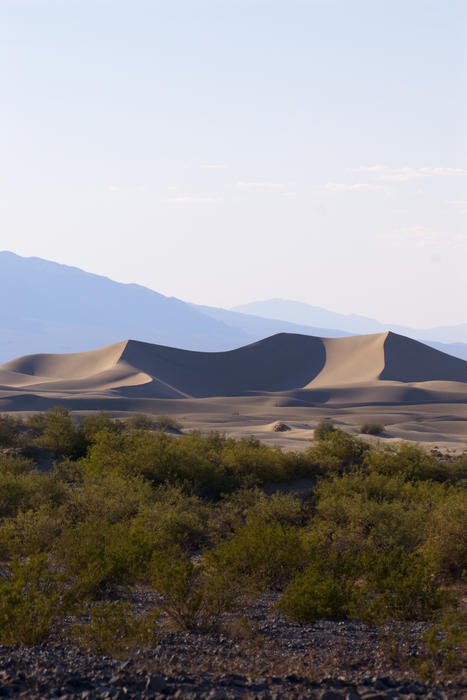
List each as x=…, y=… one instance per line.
x=416, y=392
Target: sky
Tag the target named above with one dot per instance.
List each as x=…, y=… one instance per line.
x=226, y=151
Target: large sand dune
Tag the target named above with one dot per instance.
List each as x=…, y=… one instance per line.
x=387, y=363
x=284, y=376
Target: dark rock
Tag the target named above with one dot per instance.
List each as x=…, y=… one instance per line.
x=155, y=683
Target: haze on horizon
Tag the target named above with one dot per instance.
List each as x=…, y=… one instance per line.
x=224, y=152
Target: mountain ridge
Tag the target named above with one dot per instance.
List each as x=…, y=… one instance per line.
x=307, y=314
x=54, y=308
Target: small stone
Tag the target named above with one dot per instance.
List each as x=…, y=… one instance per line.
x=155, y=683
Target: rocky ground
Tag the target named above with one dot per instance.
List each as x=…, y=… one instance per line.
x=266, y=657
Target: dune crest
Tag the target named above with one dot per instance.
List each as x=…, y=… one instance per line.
x=381, y=368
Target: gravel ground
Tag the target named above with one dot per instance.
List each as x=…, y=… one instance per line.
x=269, y=657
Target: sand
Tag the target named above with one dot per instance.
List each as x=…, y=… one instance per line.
x=417, y=392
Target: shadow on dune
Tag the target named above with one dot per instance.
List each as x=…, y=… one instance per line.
x=278, y=363
x=407, y=360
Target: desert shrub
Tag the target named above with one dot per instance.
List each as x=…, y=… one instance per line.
x=323, y=430
x=445, y=543
x=30, y=532
x=337, y=452
x=322, y=590
x=195, y=595
x=392, y=586
x=254, y=463
x=159, y=458
x=172, y=518
x=97, y=556
x=204, y=465
x=396, y=585
x=261, y=555
x=58, y=434
x=111, y=498
x=445, y=646
x=28, y=490
x=408, y=460
x=31, y=598
x=140, y=421
x=9, y=430
x=15, y=464
x=168, y=423
x=280, y=508
x=371, y=428
x=372, y=512
x=94, y=423
x=114, y=629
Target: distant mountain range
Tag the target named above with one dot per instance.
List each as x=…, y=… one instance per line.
x=307, y=315
x=53, y=308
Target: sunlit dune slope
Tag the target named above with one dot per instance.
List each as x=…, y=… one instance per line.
x=331, y=367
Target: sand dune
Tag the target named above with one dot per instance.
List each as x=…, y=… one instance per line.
x=383, y=367
x=416, y=392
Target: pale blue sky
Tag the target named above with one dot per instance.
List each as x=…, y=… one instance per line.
x=227, y=151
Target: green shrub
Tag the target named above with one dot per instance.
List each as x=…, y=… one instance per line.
x=323, y=430
x=261, y=555
x=114, y=629
x=371, y=429
x=322, y=590
x=97, y=556
x=445, y=543
x=9, y=430
x=337, y=452
x=58, y=434
x=169, y=423
x=445, y=647
x=378, y=588
x=111, y=498
x=29, y=490
x=30, y=532
x=94, y=423
x=395, y=586
x=31, y=598
x=195, y=595
x=372, y=512
x=407, y=460
x=15, y=464
x=172, y=518
x=140, y=421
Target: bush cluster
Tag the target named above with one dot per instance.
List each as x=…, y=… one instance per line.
x=380, y=538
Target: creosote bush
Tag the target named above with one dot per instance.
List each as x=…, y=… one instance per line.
x=380, y=537
x=371, y=428
x=31, y=598
x=113, y=628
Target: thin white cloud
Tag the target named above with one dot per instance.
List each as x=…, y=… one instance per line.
x=113, y=188
x=369, y=168
x=195, y=200
x=389, y=174
x=213, y=166
x=261, y=185
x=355, y=187
x=421, y=237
